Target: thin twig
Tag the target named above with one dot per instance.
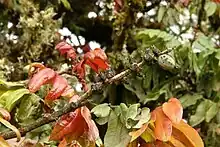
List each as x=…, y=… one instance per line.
x=49, y=118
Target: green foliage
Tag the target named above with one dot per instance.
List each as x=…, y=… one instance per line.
x=182, y=62
x=28, y=110
x=206, y=110
x=121, y=118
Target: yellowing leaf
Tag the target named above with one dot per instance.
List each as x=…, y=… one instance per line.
x=13, y=128
x=3, y=143
x=135, y=134
x=187, y=135
x=148, y=135
x=9, y=98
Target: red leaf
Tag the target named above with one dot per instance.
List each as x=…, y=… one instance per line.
x=163, y=125
x=101, y=64
x=173, y=110
x=76, y=125
x=71, y=123
x=71, y=54
x=79, y=68
x=93, y=132
x=118, y=4
x=96, y=59
x=184, y=2
x=68, y=92
x=63, y=143
x=99, y=53
x=59, y=85
x=86, y=48
x=93, y=66
x=65, y=48
x=44, y=76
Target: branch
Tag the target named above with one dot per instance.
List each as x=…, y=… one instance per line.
x=70, y=107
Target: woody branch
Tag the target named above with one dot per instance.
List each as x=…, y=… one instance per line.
x=70, y=107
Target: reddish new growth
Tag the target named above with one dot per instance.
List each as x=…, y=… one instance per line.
x=59, y=84
x=96, y=59
x=76, y=125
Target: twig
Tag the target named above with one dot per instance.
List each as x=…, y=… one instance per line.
x=200, y=15
x=70, y=107
x=49, y=118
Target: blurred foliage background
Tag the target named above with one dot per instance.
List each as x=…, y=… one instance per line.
x=179, y=39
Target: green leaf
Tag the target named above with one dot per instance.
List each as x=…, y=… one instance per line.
x=143, y=118
x=135, y=85
x=28, y=109
x=203, y=43
x=117, y=134
x=210, y=8
x=211, y=113
x=10, y=85
x=40, y=134
x=157, y=37
x=161, y=13
x=190, y=99
x=66, y=4
x=153, y=95
x=10, y=126
x=205, y=111
x=12, y=96
x=132, y=113
x=102, y=120
x=101, y=110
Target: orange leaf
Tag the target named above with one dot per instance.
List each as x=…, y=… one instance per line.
x=135, y=134
x=163, y=125
x=175, y=143
x=59, y=85
x=187, y=135
x=42, y=77
x=99, y=53
x=173, y=110
x=3, y=142
x=217, y=1
x=161, y=144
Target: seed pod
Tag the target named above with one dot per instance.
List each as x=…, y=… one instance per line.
x=166, y=62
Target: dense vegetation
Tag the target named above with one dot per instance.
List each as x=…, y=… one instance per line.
x=153, y=51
